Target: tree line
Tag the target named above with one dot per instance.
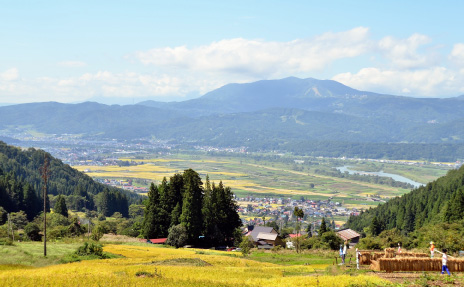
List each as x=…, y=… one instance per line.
x=21, y=185
x=440, y=201
x=186, y=212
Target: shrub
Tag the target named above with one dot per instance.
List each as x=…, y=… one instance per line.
x=97, y=232
x=370, y=243
x=32, y=232
x=332, y=240
x=177, y=236
x=75, y=229
x=6, y=241
x=57, y=232
x=90, y=249
x=246, y=245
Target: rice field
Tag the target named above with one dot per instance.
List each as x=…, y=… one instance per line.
x=248, y=176
x=153, y=266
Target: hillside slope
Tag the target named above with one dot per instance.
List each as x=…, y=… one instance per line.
x=439, y=201
x=20, y=179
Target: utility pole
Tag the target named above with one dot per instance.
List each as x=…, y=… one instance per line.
x=45, y=171
x=9, y=227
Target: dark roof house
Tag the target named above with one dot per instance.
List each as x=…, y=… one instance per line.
x=265, y=237
x=349, y=234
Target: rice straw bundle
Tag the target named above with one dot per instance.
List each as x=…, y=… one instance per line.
x=411, y=254
x=375, y=265
x=418, y=264
x=367, y=256
x=389, y=252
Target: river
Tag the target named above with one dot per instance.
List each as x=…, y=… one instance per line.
x=396, y=177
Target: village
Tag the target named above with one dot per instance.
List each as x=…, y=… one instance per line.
x=259, y=210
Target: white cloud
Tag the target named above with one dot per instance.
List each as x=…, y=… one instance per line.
x=408, y=66
x=432, y=82
x=260, y=58
x=457, y=55
x=10, y=75
x=72, y=64
x=404, y=53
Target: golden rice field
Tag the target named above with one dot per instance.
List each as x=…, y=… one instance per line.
x=153, y=266
x=248, y=176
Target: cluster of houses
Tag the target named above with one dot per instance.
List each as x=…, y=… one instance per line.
x=264, y=237
x=255, y=208
x=267, y=238
x=124, y=184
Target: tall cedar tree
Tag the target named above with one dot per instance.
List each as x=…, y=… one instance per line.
x=229, y=219
x=191, y=216
x=323, y=229
x=210, y=211
x=174, y=199
x=60, y=206
x=164, y=212
x=151, y=220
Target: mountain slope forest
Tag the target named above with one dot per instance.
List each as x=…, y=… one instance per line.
x=432, y=207
x=21, y=185
x=289, y=115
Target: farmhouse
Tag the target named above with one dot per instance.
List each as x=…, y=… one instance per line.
x=265, y=237
x=349, y=235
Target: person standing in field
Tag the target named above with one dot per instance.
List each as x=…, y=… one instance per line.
x=444, y=262
x=358, y=254
x=344, y=251
x=432, y=249
x=399, y=247
x=341, y=253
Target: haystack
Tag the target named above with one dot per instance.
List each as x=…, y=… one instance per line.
x=417, y=264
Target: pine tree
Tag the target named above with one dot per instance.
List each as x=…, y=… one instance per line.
x=209, y=212
x=323, y=229
x=174, y=198
x=151, y=220
x=60, y=206
x=375, y=226
x=232, y=220
x=191, y=217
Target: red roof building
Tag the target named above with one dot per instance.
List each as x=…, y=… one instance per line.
x=158, y=240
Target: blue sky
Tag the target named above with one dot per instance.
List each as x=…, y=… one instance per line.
x=128, y=51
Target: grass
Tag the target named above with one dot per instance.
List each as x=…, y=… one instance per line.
x=287, y=257
x=32, y=253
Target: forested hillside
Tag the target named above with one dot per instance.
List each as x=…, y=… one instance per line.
x=21, y=185
x=440, y=201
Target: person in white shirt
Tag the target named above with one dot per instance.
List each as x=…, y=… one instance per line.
x=444, y=261
x=358, y=254
x=344, y=252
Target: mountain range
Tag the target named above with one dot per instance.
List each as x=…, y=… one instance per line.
x=263, y=114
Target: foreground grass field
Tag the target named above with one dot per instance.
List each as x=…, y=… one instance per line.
x=153, y=266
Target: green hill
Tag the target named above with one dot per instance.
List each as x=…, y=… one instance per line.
x=21, y=185
x=440, y=201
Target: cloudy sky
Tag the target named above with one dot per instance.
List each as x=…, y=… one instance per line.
x=127, y=51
